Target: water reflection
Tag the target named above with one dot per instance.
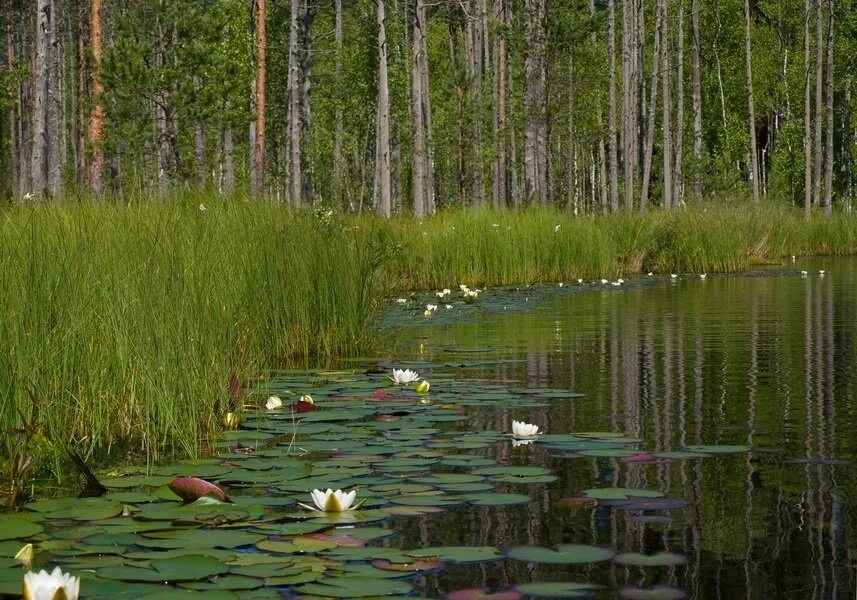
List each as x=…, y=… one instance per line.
x=766, y=361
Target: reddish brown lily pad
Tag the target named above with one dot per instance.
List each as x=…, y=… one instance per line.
x=194, y=488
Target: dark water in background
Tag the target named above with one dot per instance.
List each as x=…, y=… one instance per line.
x=765, y=360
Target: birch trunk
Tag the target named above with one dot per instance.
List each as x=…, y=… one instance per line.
x=418, y=150
x=611, y=110
x=501, y=198
x=228, y=161
x=653, y=102
x=257, y=177
x=11, y=113
x=696, y=93
x=667, y=105
x=678, y=175
x=475, y=51
x=383, y=173
x=295, y=177
x=751, y=113
x=307, y=193
x=828, y=156
x=339, y=129
x=807, y=116
x=819, y=78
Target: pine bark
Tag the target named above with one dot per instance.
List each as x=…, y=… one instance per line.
x=653, y=103
x=828, y=155
x=96, y=115
x=751, y=112
x=611, y=110
x=418, y=133
x=39, y=145
x=629, y=99
x=257, y=178
x=382, y=144
x=306, y=106
x=535, y=147
x=807, y=115
x=13, y=186
x=476, y=39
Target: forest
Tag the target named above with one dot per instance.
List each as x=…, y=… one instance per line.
x=410, y=106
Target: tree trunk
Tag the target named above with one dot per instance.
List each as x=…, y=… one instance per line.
x=13, y=186
x=629, y=99
x=338, y=169
x=56, y=130
x=807, y=116
x=500, y=174
x=295, y=176
x=611, y=110
x=653, y=103
x=819, y=78
x=418, y=145
x=476, y=35
x=828, y=156
x=458, y=77
x=847, y=140
x=751, y=113
x=39, y=145
x=667, y=105
x=229, y=161
x=383, y=173
x=678, y=175
x=697, y=102
x=257, y=175
x=307, y=193
x=96, y=115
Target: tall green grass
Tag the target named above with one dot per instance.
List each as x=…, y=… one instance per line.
x=121, y=325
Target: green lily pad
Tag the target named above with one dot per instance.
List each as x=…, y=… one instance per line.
x=563, y=554
x=620, y=493
x=556, y=589
x=355, y=587
x=458, y=554
x=717, y=449
x=659, y=559
x=15, y=528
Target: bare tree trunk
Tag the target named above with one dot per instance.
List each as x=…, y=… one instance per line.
x=229, y=161
x=383, y=173
x=161, y=134
x=56, y=129
x=611, y=111
x=418, y=145
x=199, y=144
x=339, y=130
x=667, y=105
x=697, y=102
x=828, y=157
x=257, y=175
x=500, y=175
x=847, y=140
x=653, y=103
x=751, y=113
x=629, y=100
x=307, y=194
x=11, y=113
x=572, y=200
x=458, y=78
x=807, y=116
x=534, y=103
x=39, y=145
x=678, y=179
x=819, y=77
x=514, y=175
x=476, y=39
x=427, y=111
x=96, y=115
x=295, y=176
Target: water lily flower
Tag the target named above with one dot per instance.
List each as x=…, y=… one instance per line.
x=516, y=442
x=794, y=258
x=615, y=283
x=306, y=398
x=703, y=275
x=821, y=273
x=443, y=293
x=804, y=273
x=25, y=555
x=55, y=585
x=401, y=300
x=524, y=430
x=431, y=307
x=404, y=376
x=673, y=275
x=423, y=387
x=331, y=501
x=447, y=306
x=273, y=403
x=230, y=420
x=604, y=282
x=203, y=208
x=561, y=284
x=426, y=313
x=579, y=281
x=463, y=287
x=555, y=229
x=621, y=281
x=650, y=274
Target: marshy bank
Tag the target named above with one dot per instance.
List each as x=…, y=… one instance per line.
x=121, y=325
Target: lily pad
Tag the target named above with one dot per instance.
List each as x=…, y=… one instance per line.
x=564, y=554
x=15, y=528
x=556, y=589
x=659, y=559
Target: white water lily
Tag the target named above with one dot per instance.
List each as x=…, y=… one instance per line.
x=703, y=275
x=621, y=281
x=448, y=306
x=401, y=300
x=331, y=501
x=404, y=376
x=604, y=282
x=579, y=281
x=673, y=276
x=423, y=387
x=650, y=274
x=203, y=208
x=431, y=307
x=463, y=287
x=273, y=403
x=555, y=229
x=55, y=585
x=306, y=398
x=524, y=430
x=821, y=273
x=804, y=273
x=517, y=442
x=443, y=293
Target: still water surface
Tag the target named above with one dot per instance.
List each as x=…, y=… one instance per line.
x=765, y=360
